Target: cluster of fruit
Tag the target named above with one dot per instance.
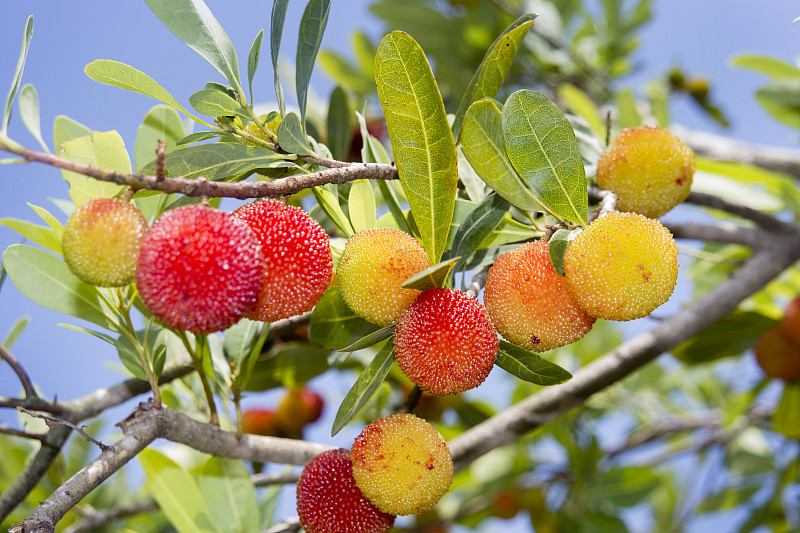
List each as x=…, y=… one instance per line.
x=298, y=408
x=778, y=350
x=200, y=269
x=399, y=465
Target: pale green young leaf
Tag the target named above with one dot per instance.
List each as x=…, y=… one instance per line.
x=29, y=113
x=529, y=366
x=27, y=35
x=329, y=203
x=291, y=136
x=49, y=219
x=786, y=418
x=161, y=122
x=431, y=277
x=370, y=340
x=364, y=387
x=214, y=103
x=241, y=337
x=334, y=325
x=65, y=129
x=216, y=161
x=365, y=52
x=361, y=206
x=423, y=145
x=769, y=66
x=47, y=280
x=177, y=493
x=15, y=332
x=230, y=495
x=627, y=114
x=98, y=149
x=493, y=68
x=252, y=61
x=340, y=129
x=41, y=235
x=557, y=247
x=542, y=147
x=482, y=144
x=372, y=151
x=193, y=23
x=579, y=103
x=276, y=32
x=312, y=26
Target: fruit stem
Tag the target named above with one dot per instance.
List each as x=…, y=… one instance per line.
x=413, y=399
x=124, y=309
x=197, y=361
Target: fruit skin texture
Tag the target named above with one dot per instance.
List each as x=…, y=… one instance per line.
x=778, y=355
x=328, y=500
x=529, y=303
x=373, y=265
x=261, y=422
x=445, y=343
x=402, y=464
x=101, y=242
x=790, y=323
x=297, y=265
x=199, y=269
x=649, y=168
x=622, y=266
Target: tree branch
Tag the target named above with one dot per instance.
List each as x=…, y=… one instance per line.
x=8, y=357
x=106, y=516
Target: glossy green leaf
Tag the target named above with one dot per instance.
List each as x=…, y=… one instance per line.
x=312, y=26
x=493, y=68
x=479, y=225
x=482, y=144
x=193, y=23
x=579, y=103
x=49, y=219
x=329, y=203
x=240, y=338
x=161, y=122
x=422, y=142
x=334, y=325
x=29, y=113
x=65, y=129
x=252, y=61
x=276, y=32
x=216, y=161
x=557, y=247
x=126, y=77
x=728, y=337
x=215, y=103
x=340, y=129
x=509, y=230
x=542, y=147
x=201, y=136
x=27, y=35
x=291, y=136
x=627, y=114
x=41, y=235
x=99, y=149
x=15, y=332
x=364, y=387
x=370, y=340
x=769, y=66
x=786, y=418
x=177, y=493
x=291, y=365
x=361, y=206
x=230, y=495
x=128, y=356
x=528, y=366
x=47, y=280
x=345, y=74
x=433, y=276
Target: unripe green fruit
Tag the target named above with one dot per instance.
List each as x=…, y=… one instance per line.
x=677, y=79
x=101, y=242
x=402, y=464
x=698, y=88
x=778, y=355
x=622, y=267
x=650, y=170
x=529, y=304
x=372, y=267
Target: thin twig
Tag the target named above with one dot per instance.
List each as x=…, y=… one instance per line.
x=41, y=437
x=161, y=157
x=283, y=478
x=290, y=525
x=97, y=519
x=52, y=422
x=607, y=200
x=27, y=385
x=762, y=219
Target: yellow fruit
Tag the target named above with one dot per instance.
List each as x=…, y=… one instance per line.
x=622, y=267
x=402, y=464
x=529, y=304
x=373, y=265
x=650, y=170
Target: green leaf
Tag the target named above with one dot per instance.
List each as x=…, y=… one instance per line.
x=433, y=276
x=128, y=355
x=99, y=149
x=482, y=144
x=47, y=280
x=370, y=340
x=215, y=103
x=728, y=337
x=334, y=325
x=727, y=498
x=216, y=161
x=41, y=235
x=781, y=100
x=627, y=114
x=126, y=77
x=29, y=113
x=252, y=61
x=557, y=247
x=423, y=145
x=528, y=366
x=542, y=147
x=293, y=364
x=193, y=23
x=361, y=206
x=201, y=136
x=276, y=32
x=241, y=337
x=493, y=68
x=291, y=136
x=624, y=487
x=329, y=203
x=769, y=66
x=16, y=331
x=27, y=34
x=364, y=387
x=786, y=418
x=177, y=493
x=372, y=151
x=479, y=225
x=509, y=229
x=312, y=26
x=340, y=129
x=230, y=495
x=65, y=129
x=579, y=103
x=161, y=122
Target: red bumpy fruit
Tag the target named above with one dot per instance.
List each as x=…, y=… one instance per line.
x=297, y=265
x=328, y=500
x=445, y=343
x=199, y=269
